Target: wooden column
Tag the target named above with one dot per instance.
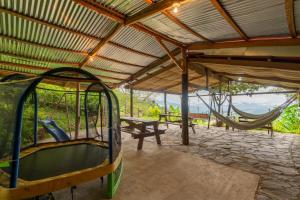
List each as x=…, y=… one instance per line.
x=185, y=99
x=77, y=119
x=165, y=102
x=131, y=102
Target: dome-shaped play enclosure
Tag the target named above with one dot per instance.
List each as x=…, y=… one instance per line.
x=37, y=155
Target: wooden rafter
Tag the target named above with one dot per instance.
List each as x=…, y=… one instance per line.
x=289, y=9
x=103, y=10
x=154, y=33
x=248, y=63
x=229, y=19
x=151, y=10
x=150, y=66
x=258, y=42
x=149, y=76
x=112, y=33
x=254, y=81
x=107, y=70
x=118, y=17
x=271, y=78
x=172, y=57
x=179, y=83
x=43, y=45
x=119, y=62
x=184, y=26
x=132, y=50
x=180, y=23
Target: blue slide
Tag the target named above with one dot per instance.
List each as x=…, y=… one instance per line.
x=52, y=128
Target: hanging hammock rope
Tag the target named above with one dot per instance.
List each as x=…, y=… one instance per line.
x=258, y=123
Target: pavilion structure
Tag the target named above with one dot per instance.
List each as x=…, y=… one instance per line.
x=170, y=46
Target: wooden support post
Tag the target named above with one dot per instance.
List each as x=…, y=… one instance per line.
x=77, y=120
x=184, y=100
x=131, y=102
x=165, y=102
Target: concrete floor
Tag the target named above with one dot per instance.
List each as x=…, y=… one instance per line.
x=160, y=173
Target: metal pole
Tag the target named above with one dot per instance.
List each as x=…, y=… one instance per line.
x=131, y=102
x=165, y=102
x=77, y=120
x=185, y=99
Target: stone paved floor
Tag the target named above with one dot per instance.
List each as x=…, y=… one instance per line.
x=276, y=160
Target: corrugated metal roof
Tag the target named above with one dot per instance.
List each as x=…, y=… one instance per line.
x=128, y=7
x=113, y=52
x=202, y=16
x=63, y=12
x=13, y=47
x=37, y=33
x=30, y=62
x=140, y=41
x=259, y=18
x=161, y=23
x=105, y=64
x=297, y=14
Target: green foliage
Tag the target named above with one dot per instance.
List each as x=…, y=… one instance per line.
x=237, y=87
x=153, y=111
x=289, y=121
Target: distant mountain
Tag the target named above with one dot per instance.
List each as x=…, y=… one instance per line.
x=244, y=106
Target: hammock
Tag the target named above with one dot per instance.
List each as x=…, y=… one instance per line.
x=258, y=123
x=254, y=116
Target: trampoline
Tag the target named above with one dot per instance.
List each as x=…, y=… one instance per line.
x=30, y=168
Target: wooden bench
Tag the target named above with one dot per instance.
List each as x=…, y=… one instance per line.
x=192, y=117
x=140, y=128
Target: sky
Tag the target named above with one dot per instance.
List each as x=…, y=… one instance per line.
x=256, y=103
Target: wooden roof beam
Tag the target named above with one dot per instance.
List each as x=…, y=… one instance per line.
x=153, y=33
x=289, y=10
x=151, y=66
x=254, y=42
x=112, y=33
x=118, y=61
x=179, y=82
x=155, y=73
x=151, y=10
x=271, y=78
x=102, y=10
x=132, y=50
x=107, y=70
x=172, y=57
x=248, y=63
x=229, y=19
x=184, y=26
x=180, y=23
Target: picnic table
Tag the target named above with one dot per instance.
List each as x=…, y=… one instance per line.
x=141, y=128
x=178, y=121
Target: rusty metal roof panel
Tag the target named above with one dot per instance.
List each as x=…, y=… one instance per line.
x=140, y=41
x=130, y=7
x=163, y=24
x=259, y=18
x=113, y=52
x=202, y=17
x=65, y=13
x=297, y=14
x=31, y=51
